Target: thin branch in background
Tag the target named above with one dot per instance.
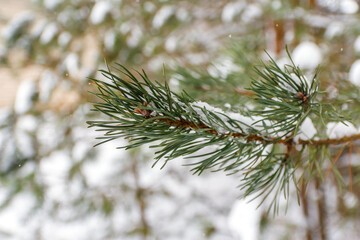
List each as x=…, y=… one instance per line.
x=140, y=196
x=329, y=141
x=322, y=209
x=350, y=170
x=334, y=161
x=312, y=4
x=279, y=28
x=305, y=208
x=244, y=92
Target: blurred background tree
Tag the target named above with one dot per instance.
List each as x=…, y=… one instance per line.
x=54, y=185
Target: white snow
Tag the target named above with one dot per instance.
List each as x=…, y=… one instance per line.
x=109, y=40
x=55, y=167
x=149, y=7
x=333, y=91
x=298, y=80
x=99, y=12
x=354, y=75
x=91, y=227
x=65, y=17
x=231, y=10
x=25, y=144
x=227, y=105
x=64, y=39
x=5, y=114
x=135, y=36
x=357, y=45
x=307, y=55
x=350, y=199
x=282, y=62
x=125, y=28
x=38, y=28
x=3, y=52
x=340, y=6
x=335, y=29
x=339, y=130
x=27, y=123
x=318, y=21
x=13, y=217
x=54, y=170
x=47, y=83
x=8, y=145
x=157, y=63
x=17, y=25
x=251, y=12
x=244, y=220
x=81, y=149
x=171, y=43
x=99, y=171
x=49, y=133
x=222, y=67
x=182, y=14
x=276, y=5
x=307, y=130
x=72, y=65
x=267, y=150
x=162, y=16
x=49, y=33
x=243, y=121
x=52, y=4
x=25, y=96
x=197, y=58
x=349, y=6
x=174, y=84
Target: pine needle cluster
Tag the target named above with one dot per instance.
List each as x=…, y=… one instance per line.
x=263, y=144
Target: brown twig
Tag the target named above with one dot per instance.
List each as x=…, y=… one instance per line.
x=244, y=92
x=350, y=170
x=140, y=196
x=312, y=4
x=279, y=28
x=305, y=208
x=253, y=137
x=334, y=161
x=321, y=204
x=331, y=141
x=249, y=137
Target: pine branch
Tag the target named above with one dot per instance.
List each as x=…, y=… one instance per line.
x=330, y=141
x=149, y=112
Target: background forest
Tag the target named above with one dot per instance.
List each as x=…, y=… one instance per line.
x=55, y=185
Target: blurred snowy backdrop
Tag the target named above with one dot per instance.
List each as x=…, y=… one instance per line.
x=55, y=185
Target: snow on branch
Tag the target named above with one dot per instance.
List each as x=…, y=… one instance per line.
x=260, y=143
